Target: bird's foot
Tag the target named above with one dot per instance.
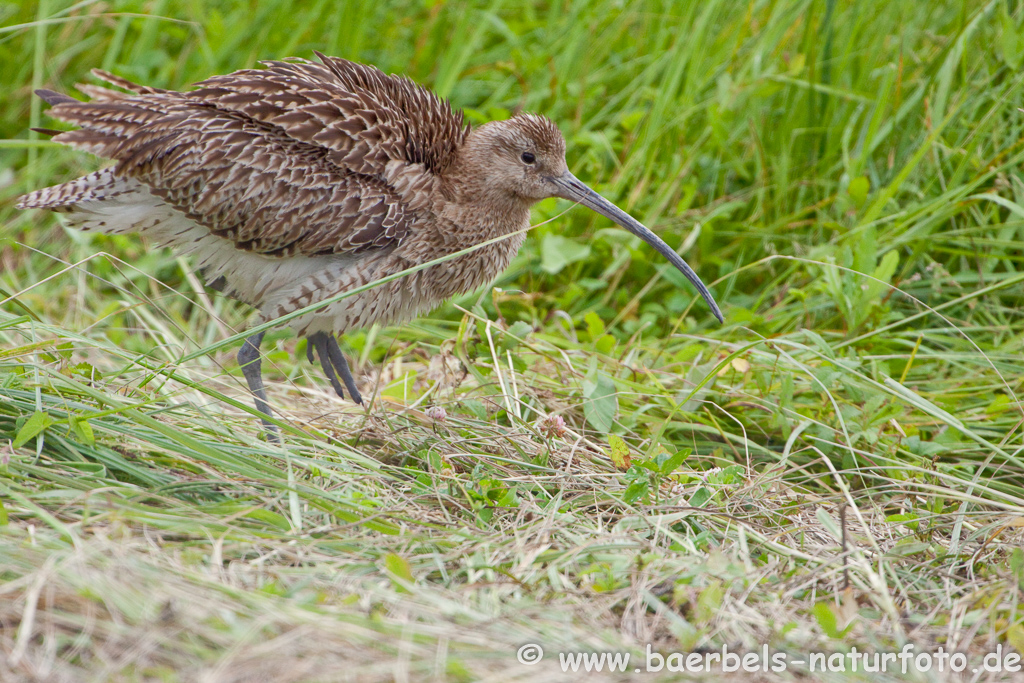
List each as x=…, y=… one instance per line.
x=332, y=360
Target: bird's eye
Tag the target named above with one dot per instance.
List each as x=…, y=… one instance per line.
x=528, y=158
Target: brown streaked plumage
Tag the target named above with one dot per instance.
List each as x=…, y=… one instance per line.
x=295, y=182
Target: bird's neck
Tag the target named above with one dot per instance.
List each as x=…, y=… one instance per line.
x=476, y=201
x=484, y=216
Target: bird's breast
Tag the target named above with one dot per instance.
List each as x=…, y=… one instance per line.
x=407, y=296
x=490, y=239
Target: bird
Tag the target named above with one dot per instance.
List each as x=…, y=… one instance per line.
x=294, y=182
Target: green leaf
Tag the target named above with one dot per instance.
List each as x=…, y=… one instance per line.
x=275, y=588
x=635, y=491
x=86, y=370
x=1000, y=404
x=908, y=518
x=710, y=601
x=1010, y=39
x=1017, y=562
x=32, y=427
x=858, y=190
x=826, y=618
x=817, y=340
x=83, y=430
x=605, y=344
x=518, y=330
x=403, y=388
x=401, y=573
x=270, y=517
x=475, y=408
x=884, y=272
x=908, y=548
x=829, y=522
x=1015, y=636
x=672, y=463
x=699, y=497
x=618, y=452
x=602, y=401
x=630, y=120
x=88, y=469
x=556, y=252
x=595, y=326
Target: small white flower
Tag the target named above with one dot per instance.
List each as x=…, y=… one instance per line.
x=437, y=413
x=707, y=473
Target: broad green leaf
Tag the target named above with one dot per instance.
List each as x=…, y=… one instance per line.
x=595, y=326
x=817, y=340
x=556, y=252
x=1017, y=563
x=32, y=427
x=636, y=491
x=618, y=451
x=908, y=547
x=630, y=120
x=826, y=619
x=83, y=430
x=672, y=463
x=90, y=469
x=518, y=330
x=270, y=517
x=400, y=571
x=602, y=401
x=884, y=272
x=1010, y=39
x=605, y=344
x=403, y=388
x=1015, y=637
x=710, y=601
x=1000, y=404
x=858, y=190
x=699, y=497
x=829, y=522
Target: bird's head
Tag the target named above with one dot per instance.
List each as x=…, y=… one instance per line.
x=519, y=155
x=522, y=159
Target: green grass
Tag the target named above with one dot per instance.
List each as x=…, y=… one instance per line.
x=846, y=177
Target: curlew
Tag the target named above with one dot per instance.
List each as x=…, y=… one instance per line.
x=295, y=182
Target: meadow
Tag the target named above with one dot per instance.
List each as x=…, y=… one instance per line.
x=579, y=457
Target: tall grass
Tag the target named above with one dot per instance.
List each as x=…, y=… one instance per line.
x=846, y=174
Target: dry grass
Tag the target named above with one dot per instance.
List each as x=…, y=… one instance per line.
x=124, y=583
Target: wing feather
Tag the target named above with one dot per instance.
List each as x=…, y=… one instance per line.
x=289, y=159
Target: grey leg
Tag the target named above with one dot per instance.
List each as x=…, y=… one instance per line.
x=341, y=365
x=249, y=360
x=332, y=360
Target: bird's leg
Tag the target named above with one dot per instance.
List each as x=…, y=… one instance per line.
x=332, y=360
x=249, y=360
x=341, y=365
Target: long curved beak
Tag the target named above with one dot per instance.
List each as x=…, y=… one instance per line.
x=568, y=186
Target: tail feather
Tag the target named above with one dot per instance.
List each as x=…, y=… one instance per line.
x=105, y=202
x=98, y=93
x=90, y=188
x=125, y=83
x=108, y=118
x=54, y=98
